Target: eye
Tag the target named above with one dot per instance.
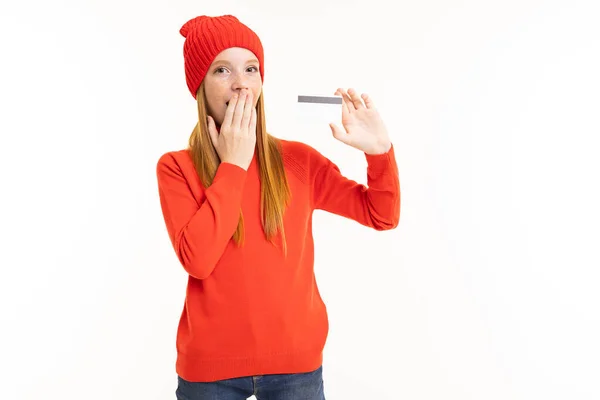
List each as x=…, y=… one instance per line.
x=221, y=69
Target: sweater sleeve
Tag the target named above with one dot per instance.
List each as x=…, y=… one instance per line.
x=376, y=205
x=200, y=229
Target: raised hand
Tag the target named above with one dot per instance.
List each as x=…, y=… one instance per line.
x=236, y=140
x=363, y=127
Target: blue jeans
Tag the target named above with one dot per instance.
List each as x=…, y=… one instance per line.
x=303, y=386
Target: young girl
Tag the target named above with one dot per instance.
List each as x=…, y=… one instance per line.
x=238, y=204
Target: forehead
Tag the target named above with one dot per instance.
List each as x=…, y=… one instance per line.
x=235, y=55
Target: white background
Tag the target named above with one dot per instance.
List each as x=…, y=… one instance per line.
x=487, y=290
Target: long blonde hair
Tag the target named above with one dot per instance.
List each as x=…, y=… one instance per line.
x=274, y=193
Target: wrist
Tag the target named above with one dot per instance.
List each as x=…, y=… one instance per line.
x=380, y=149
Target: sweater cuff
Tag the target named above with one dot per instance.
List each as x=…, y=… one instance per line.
x=233, y=174
x=381, y=162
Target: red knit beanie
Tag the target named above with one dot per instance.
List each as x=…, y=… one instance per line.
x=206, y=37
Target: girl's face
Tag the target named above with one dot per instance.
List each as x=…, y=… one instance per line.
x=231, y=71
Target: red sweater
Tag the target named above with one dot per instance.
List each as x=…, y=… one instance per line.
x=249, y=310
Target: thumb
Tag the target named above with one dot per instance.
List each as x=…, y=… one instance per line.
x=212, y=131
x=339, y=133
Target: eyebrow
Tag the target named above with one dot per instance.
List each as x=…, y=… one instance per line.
x=254, y=60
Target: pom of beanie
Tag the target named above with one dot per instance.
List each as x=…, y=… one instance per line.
x=189, y=25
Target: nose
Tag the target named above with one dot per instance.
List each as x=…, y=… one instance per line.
x=240, y=83
x=238, y=89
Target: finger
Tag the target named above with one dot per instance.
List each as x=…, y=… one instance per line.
x=239, y=110
x=356, y=101
x=338, y=133
x=253, y=119
x=212, y=131
x=227, y=120
x=345, y=108
x=247, y=111
x=368, y=101
x=348, y=101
